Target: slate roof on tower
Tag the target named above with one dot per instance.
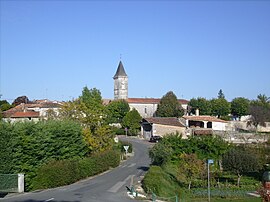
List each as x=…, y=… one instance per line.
x=120, y=71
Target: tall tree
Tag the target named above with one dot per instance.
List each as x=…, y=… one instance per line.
x=221, y=94
x=220, y=107
x=116, y=111
x=259, y=110
x=169, y=106
x=21, y=99
x=202, y=104
x=132, y=121
x=239, y=106
x=263, y=99
x=91, y=98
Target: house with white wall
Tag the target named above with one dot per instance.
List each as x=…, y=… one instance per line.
x=34, y=111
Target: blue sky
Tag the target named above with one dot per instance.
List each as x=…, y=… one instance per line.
x=52, y=49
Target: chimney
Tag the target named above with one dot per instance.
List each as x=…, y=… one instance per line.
x=23, y=107
x=197, y=112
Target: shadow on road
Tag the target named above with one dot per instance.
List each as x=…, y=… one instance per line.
x=2, y=194
x=143, y=168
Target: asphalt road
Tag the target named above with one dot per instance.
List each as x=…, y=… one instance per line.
x=107, y=187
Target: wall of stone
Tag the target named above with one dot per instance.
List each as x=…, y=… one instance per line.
x=145, y=110
x=163, y=130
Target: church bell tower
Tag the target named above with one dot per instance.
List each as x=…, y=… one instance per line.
x=120, y=83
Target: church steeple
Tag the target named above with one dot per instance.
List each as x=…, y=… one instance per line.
x=120, y=83
x=120, y=71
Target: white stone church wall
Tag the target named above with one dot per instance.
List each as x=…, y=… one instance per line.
x=145, y=110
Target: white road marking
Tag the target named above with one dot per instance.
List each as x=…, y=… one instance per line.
x=49, y=199
x=131, y=165
x=118, y=185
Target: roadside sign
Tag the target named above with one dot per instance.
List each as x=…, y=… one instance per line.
x=126, y=148
x=210, y=161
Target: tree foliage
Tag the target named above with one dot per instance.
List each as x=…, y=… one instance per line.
x=30, y=144
x=89, y=111
x=173, y=145
x=239, y=161
x=116, y=111
x=220, y=107
x=259, y=110
x=221, y=94
x=132, y=121
x=190, y=168
x=202, y=104
x=4, y=105
x=169, y=106
x=239, y=106
x=91, y=98
x=21, y=99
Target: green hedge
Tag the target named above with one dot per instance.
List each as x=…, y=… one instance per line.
x=64, y=172
x=160, y=182
x=25, y=146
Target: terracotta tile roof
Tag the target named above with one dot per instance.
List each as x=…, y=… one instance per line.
x=204, y=118
x=171, y=121
x=23, y=108
x=106, y=101
x=151, y=100
x=26, y=114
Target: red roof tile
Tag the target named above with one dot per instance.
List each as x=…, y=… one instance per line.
x=26, y=114
x=151, y=100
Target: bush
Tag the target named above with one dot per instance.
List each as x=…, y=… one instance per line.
x=64, y=172
x=161, y=183
x=118, y=131
x=56, y=173
x=125, y=143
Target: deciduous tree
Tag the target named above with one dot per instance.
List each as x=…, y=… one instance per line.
x=116, y=111
x=239, y=161
x=169, y=106
x=190, y=168
x=21, y=99
x=202, y=104
x=239, y=106
x=132, y=121
x=220, y=107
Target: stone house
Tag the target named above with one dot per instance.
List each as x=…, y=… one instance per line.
x=161, y=126
x=34, y=111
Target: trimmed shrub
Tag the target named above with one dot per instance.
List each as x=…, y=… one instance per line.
x=64, y=172
x=56, y=173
